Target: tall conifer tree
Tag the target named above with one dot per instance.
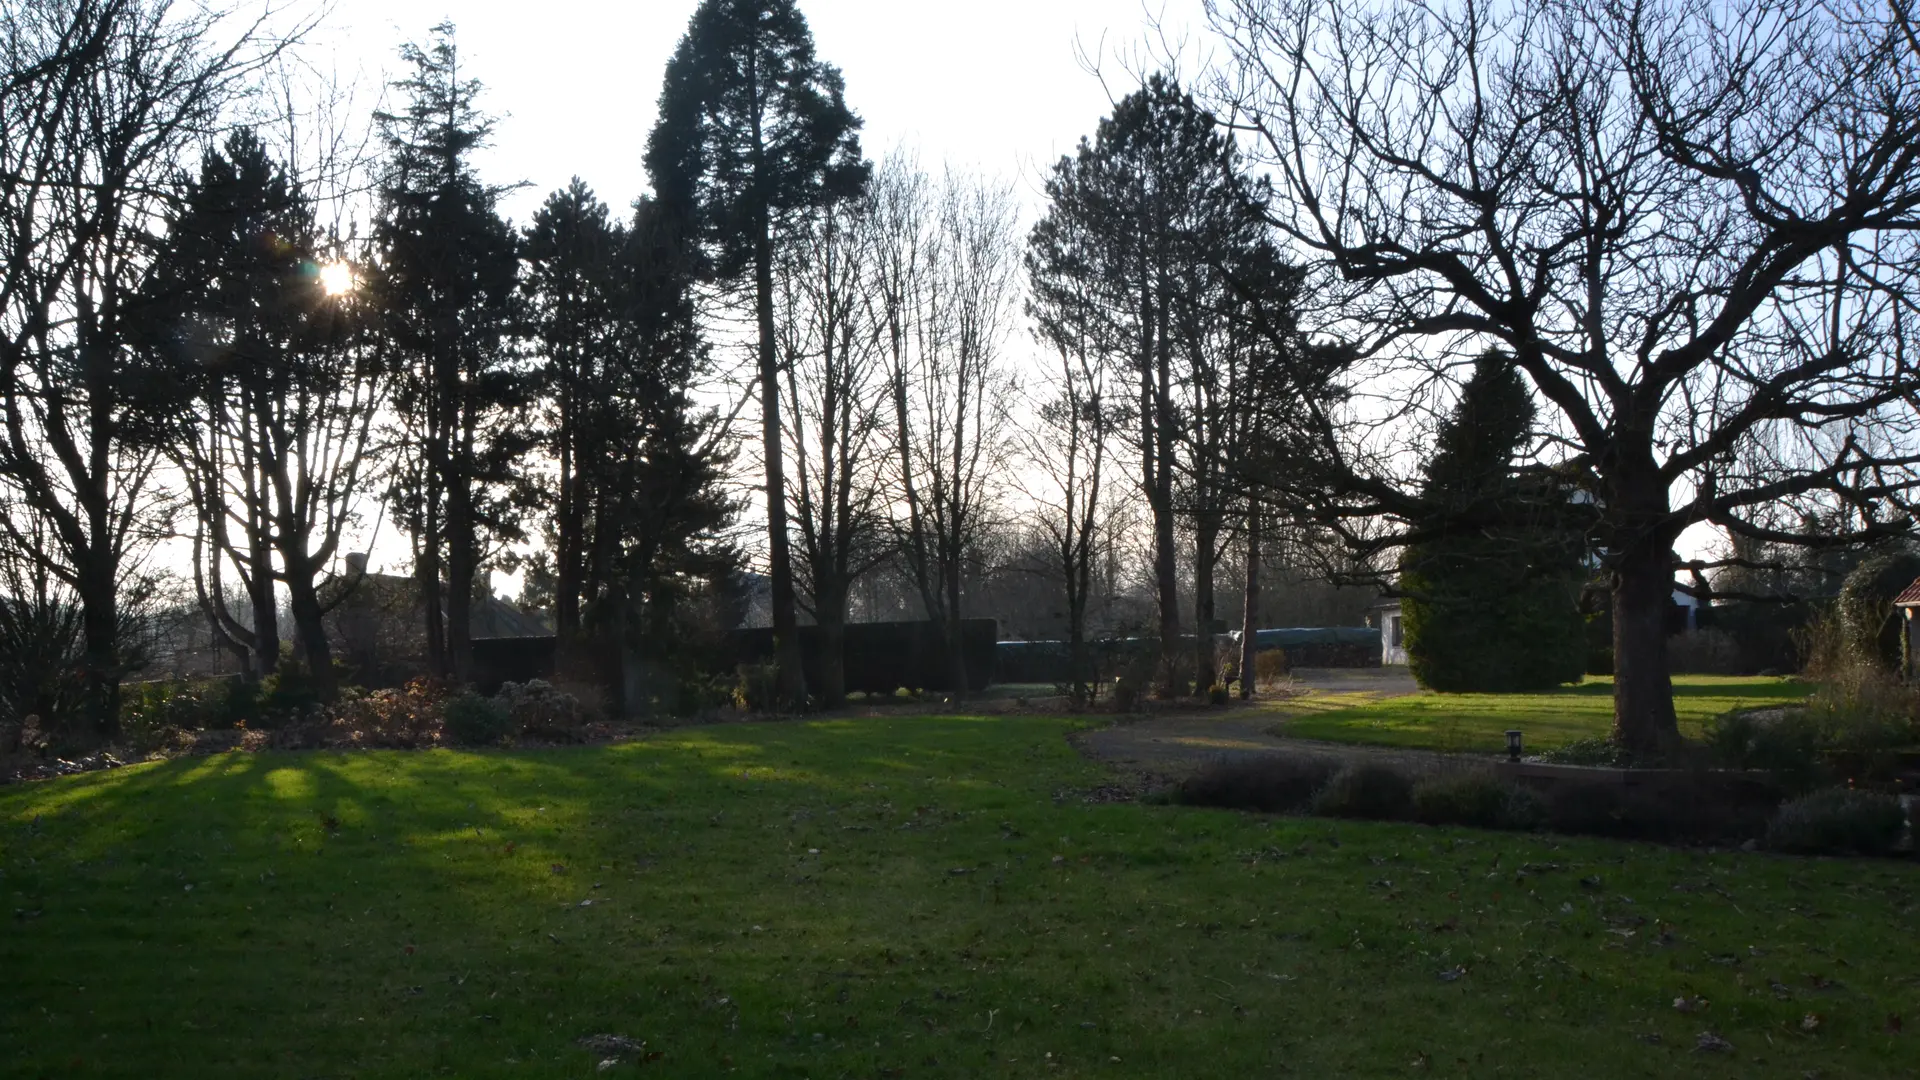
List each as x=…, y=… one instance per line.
x=1492, y=598
x=754, y=128
x=445, y=278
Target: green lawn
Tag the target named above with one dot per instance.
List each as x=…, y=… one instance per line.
x=889, y=897
x=1479, y=722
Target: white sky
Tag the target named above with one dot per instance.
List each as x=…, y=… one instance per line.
x=999, y=86
x=988, y=84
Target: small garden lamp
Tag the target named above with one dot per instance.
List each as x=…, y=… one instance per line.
x=1513, y=745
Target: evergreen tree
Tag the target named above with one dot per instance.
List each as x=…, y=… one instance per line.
x=754, y=128
x=639, y=513
x=445, y=282
x=1492, y=598
x=572, y=252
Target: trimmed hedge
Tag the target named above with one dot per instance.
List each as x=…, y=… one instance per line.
x=1377, y=792
x=881, y=657
x=1838, y=821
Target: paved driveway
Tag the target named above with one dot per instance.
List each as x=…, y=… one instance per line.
x=1175, y=743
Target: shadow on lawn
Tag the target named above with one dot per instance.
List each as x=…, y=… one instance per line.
x=449, y=897
x=1783, y=689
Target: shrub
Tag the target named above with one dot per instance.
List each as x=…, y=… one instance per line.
x=473, y=720
x=1365, y=791
x=1837, y=820
x=289, y=690
x=1868, y=620
x=1476, y=799
x=1217, y=694
x=1595, y=750
x=409, y=717
x=151, y=711
x=1785, y=742
x=1704, y=652
x=1269, y=783
x=1269, y=667
x=1859, y=714
x=543, y=712
x=758, y=687
x=697, y=694
x=1696, y=808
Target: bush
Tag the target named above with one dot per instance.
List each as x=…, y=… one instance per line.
x=1694, y=808
x=409, y=717
x=758, y=687
x=1268, y=783
x=473, y=720
x=1704, y=652
x=1868, y=620
x=150, y=712
x=1785, y=742
x=289, y=689
x=1269, y=667
x=1837, y=821
x=1378, y=792
x=1477, y=799
x=1859, y=714
x=543, y=712
x=1594, y=750
x=1217, y=694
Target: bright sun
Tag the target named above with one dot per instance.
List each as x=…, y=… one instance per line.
x=336, y=279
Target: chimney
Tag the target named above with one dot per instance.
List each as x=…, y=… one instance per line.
x=356, y=563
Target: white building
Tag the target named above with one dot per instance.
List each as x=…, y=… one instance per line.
x=1391, y=623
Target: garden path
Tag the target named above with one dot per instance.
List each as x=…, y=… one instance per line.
x=1173, y=744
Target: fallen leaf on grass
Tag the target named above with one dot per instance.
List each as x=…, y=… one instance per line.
x=1453, y=974
x=1708, y=1042
x=1689, y=1004
x=1810, y=1023
x=612, y=1044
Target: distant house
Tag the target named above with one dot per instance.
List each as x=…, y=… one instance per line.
x=1907, y=601
x=1391, y=622
x=378, y=627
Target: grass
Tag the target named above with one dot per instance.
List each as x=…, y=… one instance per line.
x=1479, y=722
x=888, y=897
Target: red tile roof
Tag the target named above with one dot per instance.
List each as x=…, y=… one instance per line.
x=1909, y=595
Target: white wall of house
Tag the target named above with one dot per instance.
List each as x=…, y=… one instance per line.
x=1393, y=634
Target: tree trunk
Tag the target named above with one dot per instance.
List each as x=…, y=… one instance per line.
x=309, y=617
x=1204, y=560
x=266, y=613
x=956, y=644
x=830, y=611
x=1250, y=607
x=786, y=623
x=427, y=563
x=461, y=569
x=1643, y=717
x=566, y=556
x=100, y=624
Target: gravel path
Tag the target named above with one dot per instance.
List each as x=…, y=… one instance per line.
x=1171, y=745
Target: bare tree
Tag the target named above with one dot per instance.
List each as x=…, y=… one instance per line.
x=100, y=101
x=835, y=419
x=1691, y=223
x=945, y=290
x=1065, y=452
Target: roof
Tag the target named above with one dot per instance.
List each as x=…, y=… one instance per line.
x=1909, y=596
